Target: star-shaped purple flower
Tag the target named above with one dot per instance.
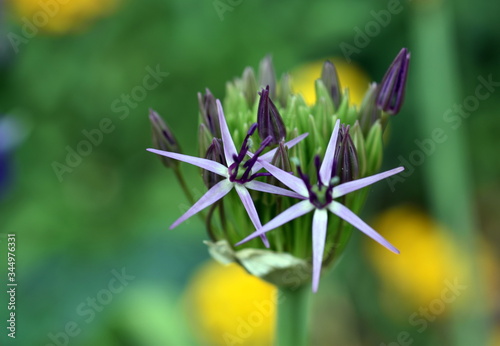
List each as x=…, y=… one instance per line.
x=239, y=174
x=321, y=198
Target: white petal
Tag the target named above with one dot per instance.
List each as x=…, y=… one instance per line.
x=344, y=213
x=320, y=222
x=325, y=172
x=227, y=140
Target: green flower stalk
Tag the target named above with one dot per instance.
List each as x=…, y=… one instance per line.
x=309, y=166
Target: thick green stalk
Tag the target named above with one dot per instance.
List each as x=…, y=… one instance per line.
x=293, y=316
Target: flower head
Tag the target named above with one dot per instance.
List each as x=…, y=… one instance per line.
x=235, y=173
x=321, y=198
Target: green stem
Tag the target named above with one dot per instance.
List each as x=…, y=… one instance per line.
x=293, y=316
x=184, y=186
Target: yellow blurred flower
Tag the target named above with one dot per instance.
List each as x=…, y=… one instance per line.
x=231, y=307
x=61, y=16
x=351, y=76
x=430, y=272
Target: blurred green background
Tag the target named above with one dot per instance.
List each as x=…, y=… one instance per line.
x=110, y=212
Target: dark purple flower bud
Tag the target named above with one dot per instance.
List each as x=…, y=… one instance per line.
x=163, y=139
x=215, y=153
x=346, y=165
x=249, y=86
x=269, y=119
x=209, y=113
x=267, y=76
x=369, y=113
x=330, y=79
x=392, y=88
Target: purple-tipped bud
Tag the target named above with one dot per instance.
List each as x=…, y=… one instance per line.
x=267, y=76
x=163, y=139
x=215, y=153
x=269, y=119
x=209, y=113
x=249, y=86
x=392, y=88
x=369, y=113
x=346, y=165
x=330, y=79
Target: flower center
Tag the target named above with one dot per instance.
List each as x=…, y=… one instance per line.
x=241, y=171
x=320, y=195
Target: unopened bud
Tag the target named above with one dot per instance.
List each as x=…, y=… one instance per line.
x=374, y=148
x=331, y=81
x=369, y=113
x=269, y=119
x=163, y=139
x=392, y=88
x=346, y=165
x=249, y=86
x=209, y=114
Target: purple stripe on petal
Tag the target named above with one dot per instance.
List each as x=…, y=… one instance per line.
x=287, y=179
x=227, y=140
x=344, y=213
x=265, y=187
x=218, y=191
x=354, y=185
x=209, y=165
x=291, y=213
x=325, y=171
x=250, y=208
x=320, y=221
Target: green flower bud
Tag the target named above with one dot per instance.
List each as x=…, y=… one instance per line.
x=331, y=81
x=374, y=148
x=249, y=85
x=369, y=113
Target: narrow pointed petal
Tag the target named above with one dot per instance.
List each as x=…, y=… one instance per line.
x=209, y=165
x=325, y=171
x=210, y=197
x=291, y=213
x=227, y=140
x=287, y=179
x=270, y=154
x=265, y=187
x=344, y=189
x=320, y=221
x=344, y=213
x=250, y=208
